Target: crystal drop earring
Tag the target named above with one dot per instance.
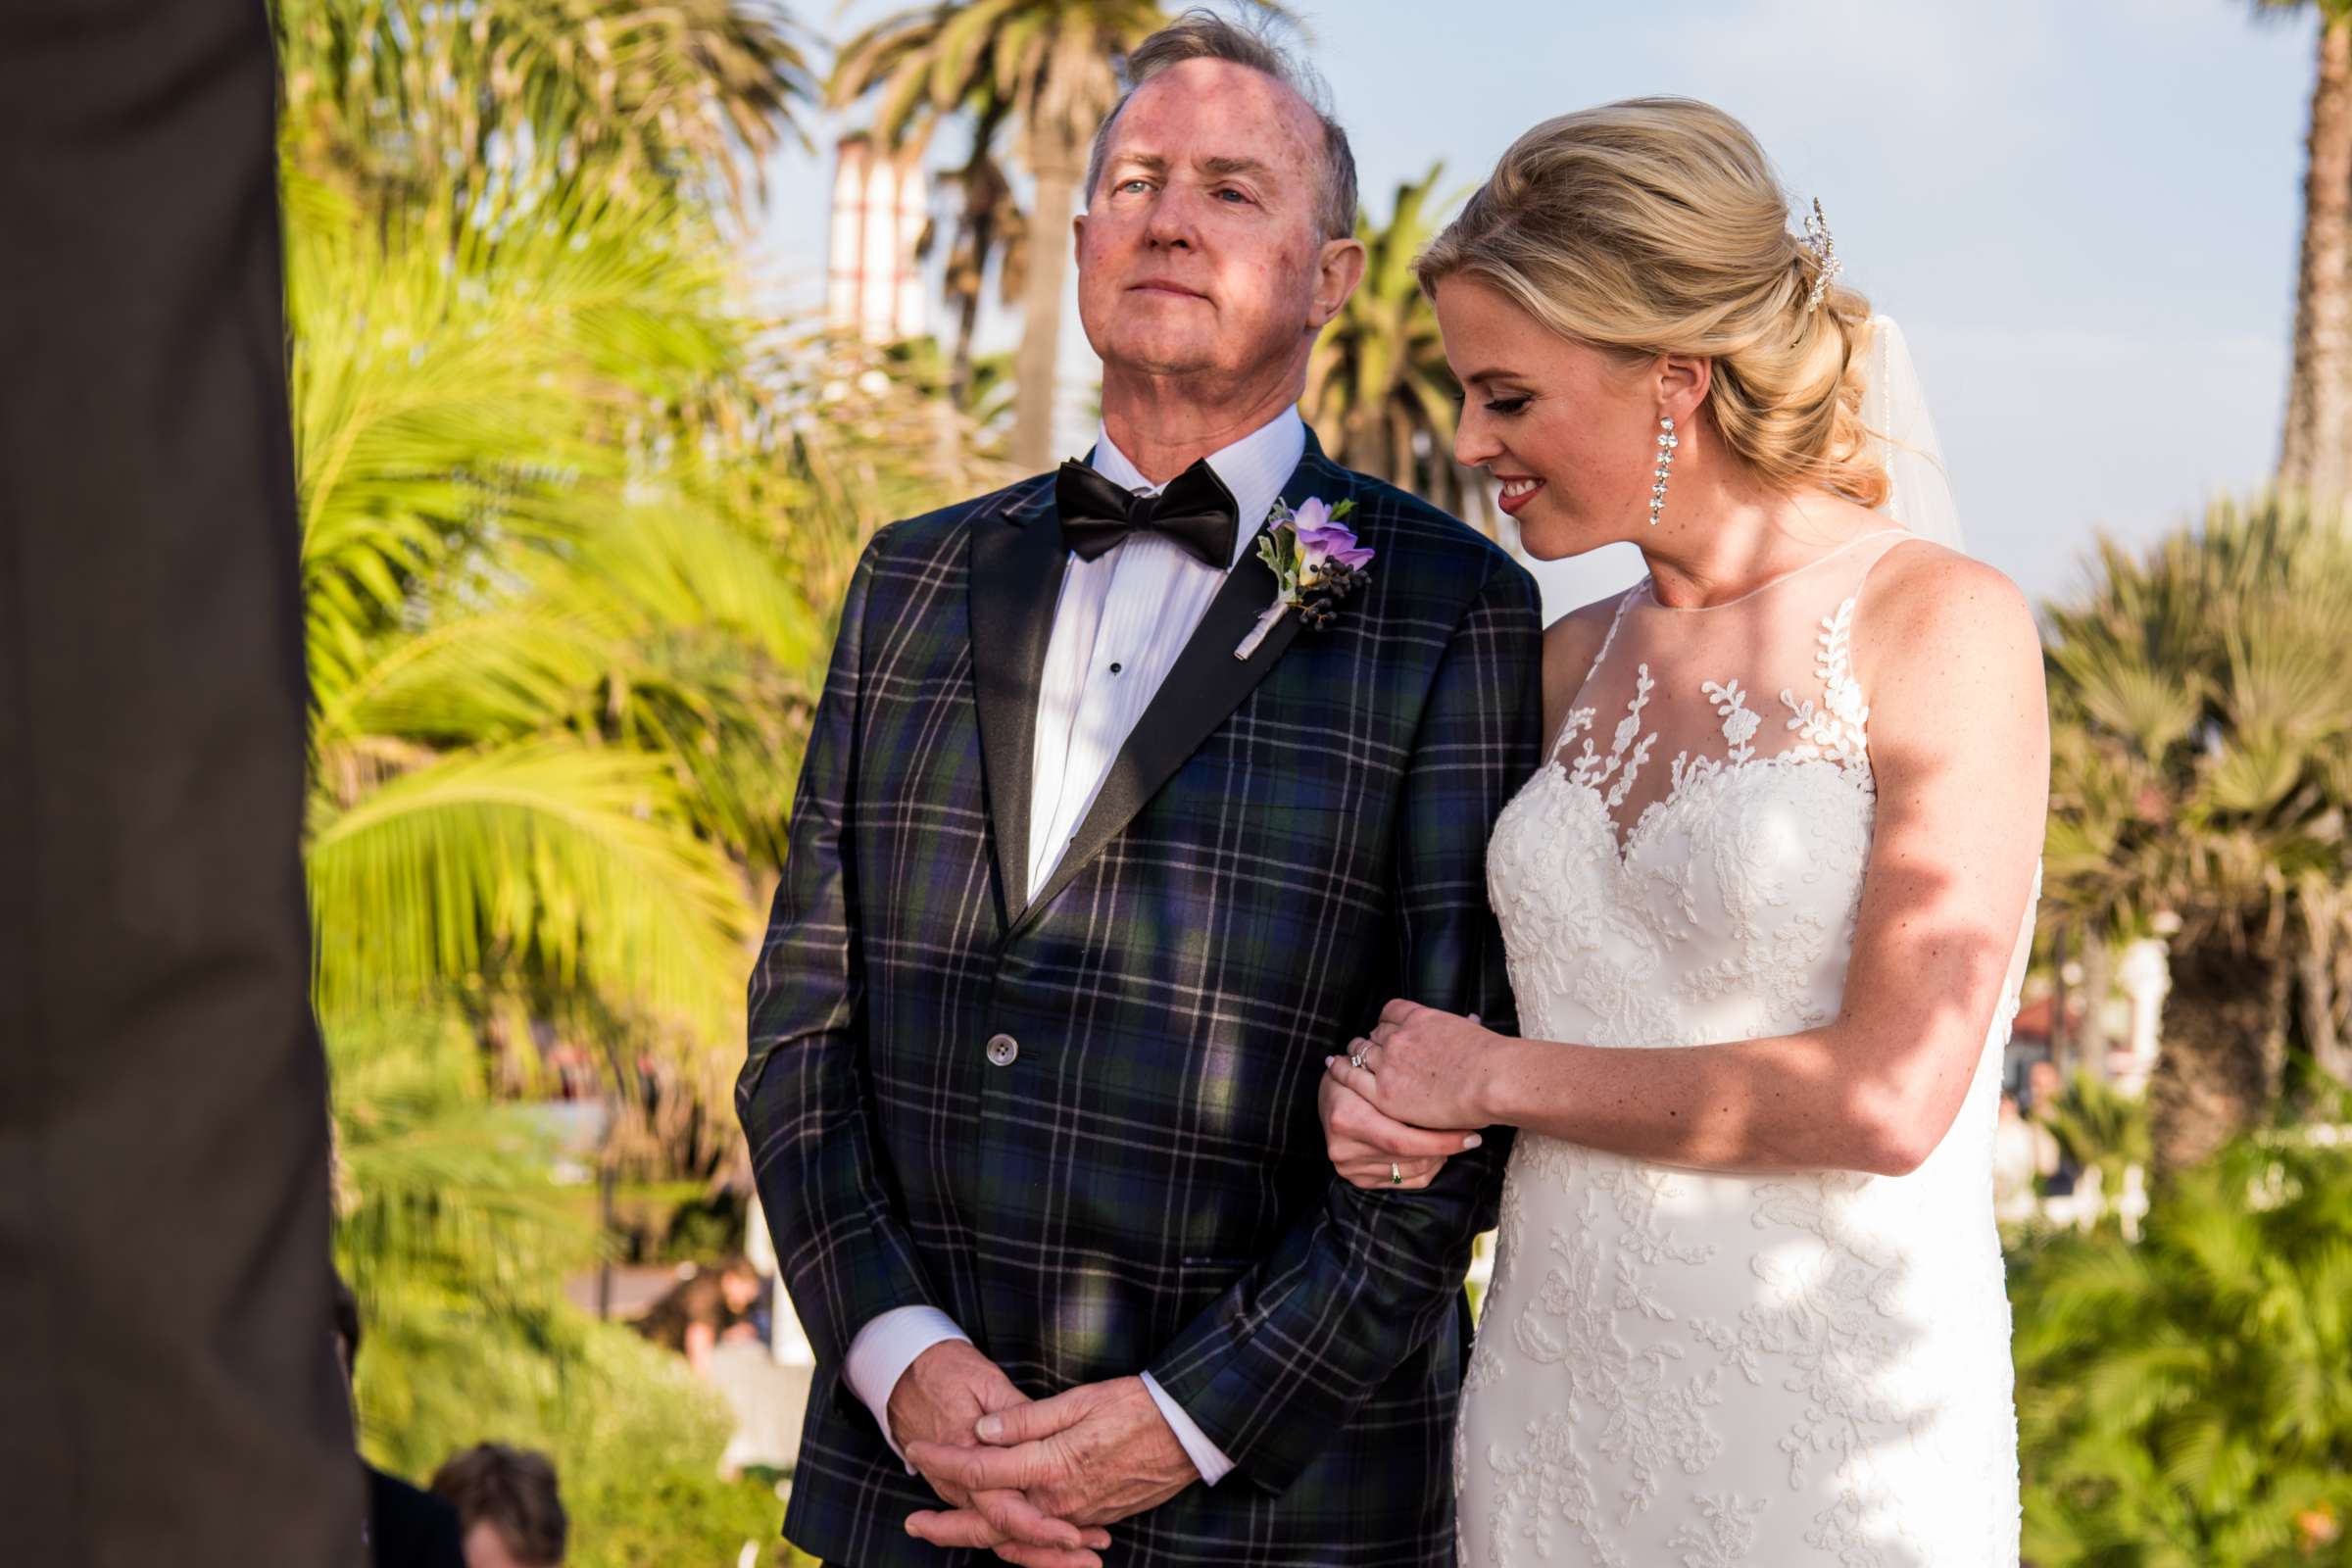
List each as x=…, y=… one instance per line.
x=1657, y=489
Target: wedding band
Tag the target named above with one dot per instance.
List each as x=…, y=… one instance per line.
x=1357, y=1062
x=1396, y=1174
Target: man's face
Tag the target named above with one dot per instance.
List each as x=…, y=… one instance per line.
x=1201, y=250
x=741, y=1287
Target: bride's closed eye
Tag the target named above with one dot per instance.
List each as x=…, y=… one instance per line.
x=1506, y=407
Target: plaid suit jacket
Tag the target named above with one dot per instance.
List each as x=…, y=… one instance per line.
x=1283, y=846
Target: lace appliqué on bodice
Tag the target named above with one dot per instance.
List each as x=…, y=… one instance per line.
x=1677, y=1367
x=1831, y=728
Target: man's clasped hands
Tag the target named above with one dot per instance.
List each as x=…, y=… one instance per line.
x=1033, y=1479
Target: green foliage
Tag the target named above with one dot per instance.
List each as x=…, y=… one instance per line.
x=634, y=1436
x=552, y=670
x=573, y=524
x=455, y=1242
x=393, y=94
x=434, y=1180
x=574, y=520
x=1379, y=391
x=2205, y=715
x=2201, y=772
x=2187, y=1402
x=2101, y=1128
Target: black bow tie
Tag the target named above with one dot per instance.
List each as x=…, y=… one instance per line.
x=1195, y=511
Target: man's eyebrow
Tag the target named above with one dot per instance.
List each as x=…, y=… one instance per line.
x=1148, y=163
x=1220, y=167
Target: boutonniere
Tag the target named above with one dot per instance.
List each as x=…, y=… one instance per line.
x=1315, y=560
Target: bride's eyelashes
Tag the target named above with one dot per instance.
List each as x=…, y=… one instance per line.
x=1506, y=407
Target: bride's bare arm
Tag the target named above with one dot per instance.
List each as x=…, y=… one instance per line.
x=1959, y=740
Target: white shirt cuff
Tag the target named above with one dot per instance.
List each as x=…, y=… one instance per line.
x=882, y=1352
x=1206, y=1456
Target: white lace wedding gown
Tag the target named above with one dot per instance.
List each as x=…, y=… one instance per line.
x=1684, y=1370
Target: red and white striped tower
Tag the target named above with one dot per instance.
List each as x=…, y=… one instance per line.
x=881, y=201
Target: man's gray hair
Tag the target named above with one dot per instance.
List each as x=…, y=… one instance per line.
x=1205, y=36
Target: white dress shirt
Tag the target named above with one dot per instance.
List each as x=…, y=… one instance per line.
x=1119, y=626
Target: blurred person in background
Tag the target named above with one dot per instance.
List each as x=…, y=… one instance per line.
x=2044, y=1086
x=508, y=1504
x=709, y=1306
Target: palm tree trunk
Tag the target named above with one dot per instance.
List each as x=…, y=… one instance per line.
x=959, y=369
x=2277, y=1025
x=1055, y=159
x=2098, y=979
x=2312, y=456
x=2328, y=1051
x=2208, y=1083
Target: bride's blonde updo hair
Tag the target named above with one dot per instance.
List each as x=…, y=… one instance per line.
x=1655, y=226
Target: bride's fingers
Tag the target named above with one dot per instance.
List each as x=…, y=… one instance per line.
x=1364, y=1119
x=1356, y=1125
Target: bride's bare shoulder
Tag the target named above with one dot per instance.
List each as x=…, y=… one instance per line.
x=1570, y=646
x=1933, y=616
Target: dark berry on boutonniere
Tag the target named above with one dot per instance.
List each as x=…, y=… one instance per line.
x=1315, y=560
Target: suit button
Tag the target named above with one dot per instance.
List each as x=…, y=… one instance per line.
x=1004, y=1051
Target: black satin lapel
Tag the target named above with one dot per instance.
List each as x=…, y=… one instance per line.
x=1017, y=566
x=1201, y=691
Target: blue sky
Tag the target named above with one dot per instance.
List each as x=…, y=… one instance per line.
x=2083, y=212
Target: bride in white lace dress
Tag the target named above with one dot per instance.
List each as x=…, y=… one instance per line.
x=1766, y=907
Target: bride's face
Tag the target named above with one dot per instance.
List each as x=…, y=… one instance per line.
x=1568, y=430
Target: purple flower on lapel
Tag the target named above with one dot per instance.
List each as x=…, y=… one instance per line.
x=1316, y=562
x=1324, y=539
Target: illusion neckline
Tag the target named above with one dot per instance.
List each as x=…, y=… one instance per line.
x=1648, y=586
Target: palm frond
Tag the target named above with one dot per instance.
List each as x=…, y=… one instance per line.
x=544, y=856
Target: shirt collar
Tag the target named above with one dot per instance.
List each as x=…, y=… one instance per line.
x=1254, y=469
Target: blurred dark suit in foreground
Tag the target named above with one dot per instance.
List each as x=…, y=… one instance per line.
x=168, y=1385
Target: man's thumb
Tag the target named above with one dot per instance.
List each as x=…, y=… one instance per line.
x=1027, y=1423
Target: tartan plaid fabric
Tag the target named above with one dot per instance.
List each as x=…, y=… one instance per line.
x=1283, y=847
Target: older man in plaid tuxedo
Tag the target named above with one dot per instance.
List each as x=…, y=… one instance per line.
x=1078, y=900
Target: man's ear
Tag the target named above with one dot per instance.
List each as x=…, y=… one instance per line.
x=1341, y=268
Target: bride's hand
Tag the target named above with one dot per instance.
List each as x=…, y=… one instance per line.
x=1371, y=1150
x=1422, y=1067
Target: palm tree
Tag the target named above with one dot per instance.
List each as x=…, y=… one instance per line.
x=990, y=229
x=574, y=522
x=2314, y=453
x=1045, y=71
x=519, y=743
x=628, y=97
x=1378, y=389
x=2187, y=1400
x=2202, y=768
